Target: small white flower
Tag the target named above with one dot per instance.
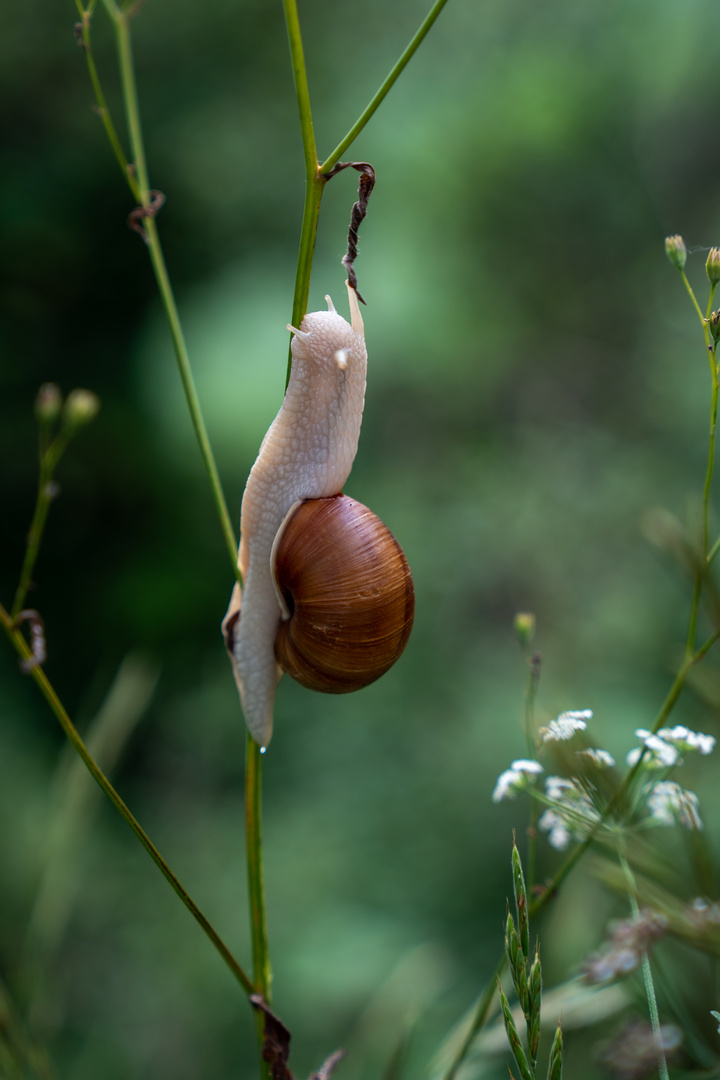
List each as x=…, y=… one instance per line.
x=558, y=834
x=556, y=787
x=683, y=739
x=517, y=778
x=670, y=804
x=572, y=815
x=659, y=754
x=527, y=765
x=565, y=726
x=599, y=758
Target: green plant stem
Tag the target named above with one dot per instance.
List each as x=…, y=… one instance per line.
x=707, y=555
x=711, y=449
x=93, y=768
x=315, y=174
x=382, y=93
x=646, y=970
x=49, y=456
x=256, y=888
x=302, y=92
x=314, y=186
x=531, y=689
x=693, y=298
x=314, y=181
x=121, y=22
x=102, y=107
x=34, y=537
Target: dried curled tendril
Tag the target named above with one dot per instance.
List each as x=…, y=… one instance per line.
x=359, y=210
x=136, y=216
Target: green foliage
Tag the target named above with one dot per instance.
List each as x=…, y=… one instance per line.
x=524, y=412
x=526, y=974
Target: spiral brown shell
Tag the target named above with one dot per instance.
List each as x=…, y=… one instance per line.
x=348, y=587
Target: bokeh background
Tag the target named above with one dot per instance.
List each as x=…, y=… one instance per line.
x=537, y=384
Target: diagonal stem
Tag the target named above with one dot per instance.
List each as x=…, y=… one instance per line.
x=121, y=22
x=386, y=87
x=48, y=692
x=645, y=962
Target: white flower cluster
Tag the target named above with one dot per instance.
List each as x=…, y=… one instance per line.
x=683, y=739
x=669, y=804
x=575, y=806
x=565, y=726
x=572, y=815
x=599, y=758
x=517, y=778
x=662, y=750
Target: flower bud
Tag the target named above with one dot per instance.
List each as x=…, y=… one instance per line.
x=676, y=251
x=81, y=407
x=48, y=403
x=524, y=625
x=712, y=266
x=714, y=325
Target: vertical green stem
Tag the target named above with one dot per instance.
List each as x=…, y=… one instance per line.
x=314, y=181
x=533, y=681
x=49, y=455
x=102, y=107
x=256, y=886
x=702, y=569
x=42, y=505
x=646, y=970
x=121, y=22
x=297, y=55
x=711, y=455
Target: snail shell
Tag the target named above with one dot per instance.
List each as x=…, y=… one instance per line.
x=346, y=592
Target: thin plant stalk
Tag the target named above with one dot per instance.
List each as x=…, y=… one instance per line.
x=48, y=460
x=706, y=555
x=102, y=108
x=314, y=181
x=315, y=173
x=382, y=93
x=531, y=689
x=646, y=969
x=256, y=889
x=50, y=695
x=121, y=23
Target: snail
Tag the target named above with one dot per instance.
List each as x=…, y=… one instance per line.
x=327, y=593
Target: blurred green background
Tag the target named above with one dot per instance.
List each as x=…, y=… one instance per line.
x=537, y=383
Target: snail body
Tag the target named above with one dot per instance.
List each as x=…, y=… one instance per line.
x=307, y=454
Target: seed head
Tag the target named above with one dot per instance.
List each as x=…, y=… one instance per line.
x=712, y=266
x=676, y=251
x=524, y=624
x=48, y=403
x=81, y=407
